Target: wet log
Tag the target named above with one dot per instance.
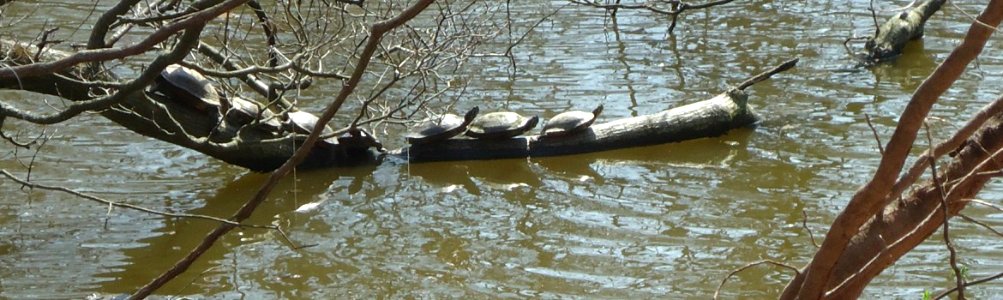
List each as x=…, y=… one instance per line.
x=893, y=35
x=262, y=148
x=707, y=118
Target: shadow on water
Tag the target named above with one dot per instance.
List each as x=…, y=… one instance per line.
x=663, y=221
x=907, y=70
x=160, y=252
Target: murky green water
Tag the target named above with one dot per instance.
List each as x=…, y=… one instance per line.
x=667, y=220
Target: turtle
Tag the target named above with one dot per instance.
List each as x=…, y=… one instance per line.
x=569, y=123
x=244, y=111
x=358, y=139
x=441, y=127
x=303, y=122
x=501, y=125
x=190, y=88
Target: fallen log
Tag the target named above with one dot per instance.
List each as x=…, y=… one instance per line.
x=258, y=148
x=893, y=35
x=707, y=118
x=263, y=148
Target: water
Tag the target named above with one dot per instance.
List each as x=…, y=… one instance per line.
x=665, y=220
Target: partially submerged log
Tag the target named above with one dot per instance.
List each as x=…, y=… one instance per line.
x=706, y=118
x=264, y=148
x=893, y=35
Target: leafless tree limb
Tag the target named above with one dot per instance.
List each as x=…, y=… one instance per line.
x=970, y=283
x=750, y=265
x=376, y=33
x=804, y=224
x=881, y=149
x=869, y=199
x=947, y=217
x=675, y=7
x=981, y=224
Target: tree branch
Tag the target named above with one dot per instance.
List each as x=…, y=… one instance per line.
x=376, y=32
x=869, y=199
x=195, y=21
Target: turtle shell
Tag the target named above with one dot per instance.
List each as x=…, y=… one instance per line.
x=245, y=111
x=571, y=122
x=501, y=125
x=303, y=122
x=188, y=87
x=359, y=139
x=441, y=128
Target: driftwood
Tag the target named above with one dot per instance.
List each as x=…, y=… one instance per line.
x=707, y=118
x=893, y=35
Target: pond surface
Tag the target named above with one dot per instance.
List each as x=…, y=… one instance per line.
x=667, y=220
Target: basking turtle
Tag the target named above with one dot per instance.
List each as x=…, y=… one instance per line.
x=571, y=122
x=501, y=125
x=358, y=139
x=245, y=111
x=441, y=128
x=303, y=122
x=190, y=88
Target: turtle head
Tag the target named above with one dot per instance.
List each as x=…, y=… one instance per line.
x=471, y=114
x=597, y=111
x=532, y=122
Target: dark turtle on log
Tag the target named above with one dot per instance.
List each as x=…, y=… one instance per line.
x=190, y=88
x=571, y=122
x=303, y=122
x=245, y=111
x=358, y=139
x=441, y=127
x=501, y=125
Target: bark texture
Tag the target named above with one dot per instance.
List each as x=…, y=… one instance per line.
x=706, y=118
x=893, y=35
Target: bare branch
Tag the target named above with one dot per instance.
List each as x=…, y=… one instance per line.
x=971, y=283
x=804, y=223
x=980, y=223
x=750, y=265
x=376, y=33
x=869, y=199
x=195, y=21
x=947, y=216
x=110, y=203
x=675, y=9
x=881, y=149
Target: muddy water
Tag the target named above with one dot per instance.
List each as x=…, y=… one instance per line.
x=667, y=220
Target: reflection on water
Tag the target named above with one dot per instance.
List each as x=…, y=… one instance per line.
x=664, y=220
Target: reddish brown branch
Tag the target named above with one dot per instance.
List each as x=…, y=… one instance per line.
x=869, y=199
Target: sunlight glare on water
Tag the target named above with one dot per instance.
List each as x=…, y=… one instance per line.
x=649, y=222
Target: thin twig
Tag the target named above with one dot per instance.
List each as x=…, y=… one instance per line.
x=881, y=149
x=804, y=222
x=947, y=217
x=980, y=223
x=110, y=203
x=970, y=283
x=675, y=7
x=733, y=273
x=986, y=203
